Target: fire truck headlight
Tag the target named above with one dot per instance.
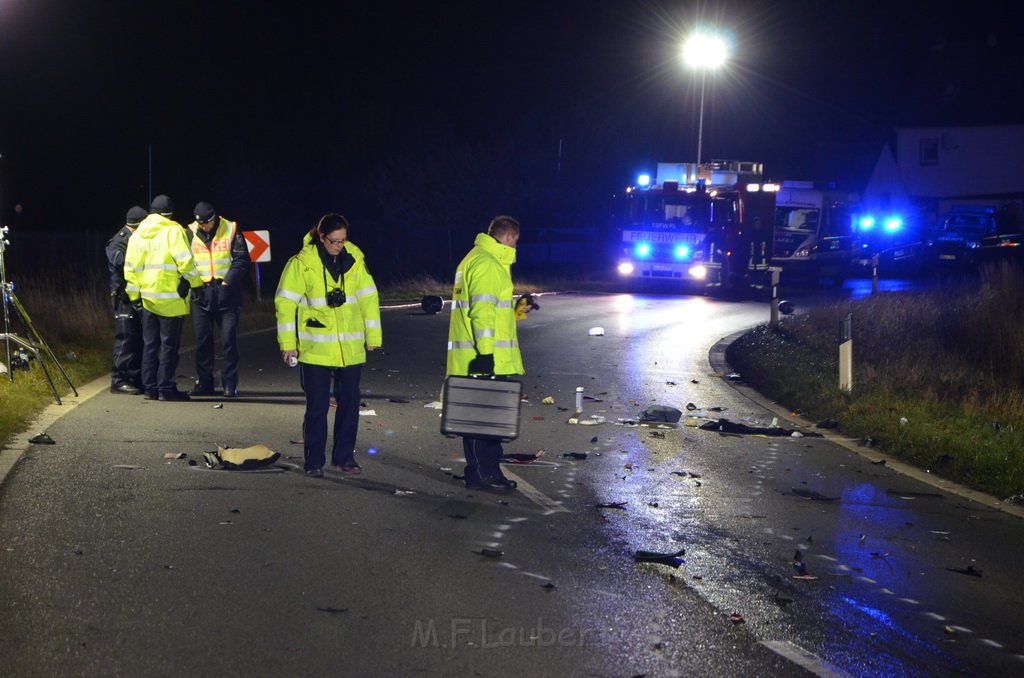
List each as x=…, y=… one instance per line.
x=626, y=268
x=642, y=249
x=803, y=252
x=698, y=272
x=893, y=224
x=681, y=252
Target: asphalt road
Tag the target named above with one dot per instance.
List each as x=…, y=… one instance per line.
x=117, y=561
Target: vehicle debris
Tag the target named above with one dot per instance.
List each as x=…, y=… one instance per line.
x=42, y=439
x=811, y=494
x=657, y=413
x=621, y=505
x=970, y=570
x=672, y=559
x=575, y=455
x=491, y=553
x=727, y=426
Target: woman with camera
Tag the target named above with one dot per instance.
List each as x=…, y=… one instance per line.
x=328, y=317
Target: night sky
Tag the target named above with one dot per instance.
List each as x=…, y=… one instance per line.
x=277, y=112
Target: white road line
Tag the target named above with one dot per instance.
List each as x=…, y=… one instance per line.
x=803, y=658
x=535, y=495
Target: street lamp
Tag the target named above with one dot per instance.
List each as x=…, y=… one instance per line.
x=704, y=52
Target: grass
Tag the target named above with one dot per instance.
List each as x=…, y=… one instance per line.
x=938, y=377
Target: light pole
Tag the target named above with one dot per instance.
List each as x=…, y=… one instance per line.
x=703, y=52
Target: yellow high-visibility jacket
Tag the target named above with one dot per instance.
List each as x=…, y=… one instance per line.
x=157, y=259
x=333, y=337
x=483, y=314
x=214, y=261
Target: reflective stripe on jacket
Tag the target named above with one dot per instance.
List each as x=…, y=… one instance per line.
x=215, y=260
x=483, y=314
x=155, y=262
x=333, y=337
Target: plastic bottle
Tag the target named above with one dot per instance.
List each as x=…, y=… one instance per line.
x=579, y=399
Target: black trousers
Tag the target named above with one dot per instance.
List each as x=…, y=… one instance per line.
x=161, y=338
x=204, y=322
x=319, y=383
x=127, y=356
x=483, y=459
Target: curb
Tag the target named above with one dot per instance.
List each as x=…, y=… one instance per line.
x=716, y=357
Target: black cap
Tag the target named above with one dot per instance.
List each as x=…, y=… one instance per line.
x=204, y=212
x=162, y=205
x=135, y=216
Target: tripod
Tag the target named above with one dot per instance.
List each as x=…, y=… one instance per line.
x=31, y=346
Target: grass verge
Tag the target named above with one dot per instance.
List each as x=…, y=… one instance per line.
x=938, y=377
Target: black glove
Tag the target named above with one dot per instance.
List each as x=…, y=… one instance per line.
x=183, y=288
x=199, y=295
x=482, y=364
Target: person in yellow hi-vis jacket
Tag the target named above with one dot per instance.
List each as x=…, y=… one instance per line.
x=482, y=337
x=159, y=272
x=328, y=317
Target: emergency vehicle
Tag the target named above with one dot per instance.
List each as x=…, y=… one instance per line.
x=700, y=226
x=813, y=231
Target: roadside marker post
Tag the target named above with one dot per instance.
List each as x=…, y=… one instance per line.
x=846, y=353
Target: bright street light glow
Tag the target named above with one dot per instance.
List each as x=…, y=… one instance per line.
x=704, y=51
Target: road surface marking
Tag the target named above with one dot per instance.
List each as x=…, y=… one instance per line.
x=802, y=658
x=535, y=495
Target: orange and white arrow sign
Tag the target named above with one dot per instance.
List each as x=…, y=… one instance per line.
x=259, y=245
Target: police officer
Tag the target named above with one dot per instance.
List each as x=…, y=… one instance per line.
x=482, y=337
x=223, y=260
x=126, y=373
x=159, y=272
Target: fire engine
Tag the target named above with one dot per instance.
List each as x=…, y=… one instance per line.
x=704, y=225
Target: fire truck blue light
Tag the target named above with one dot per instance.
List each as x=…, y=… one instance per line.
x=893, y=224
x=682, y=252
x=643, y=180
x=643, y=249
x=867, y=223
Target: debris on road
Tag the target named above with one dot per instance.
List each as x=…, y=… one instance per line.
x=549, y=586
x=658, y=413
x=241, y=459
x=737, y=618
x=42, y=439
x=332, y=610
x=575, y=455
x=811, y=494
x=521, y=458
x=621, y=505
x=491, y=553
x=970, y=570
x=827, y=423
x=129, y=467
x=434, y=405
x=403, y=493
x=548, y=400
x=798, y=562
x=726, y=426
x=596, y=332
x=672, y=559
x=174, y=455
